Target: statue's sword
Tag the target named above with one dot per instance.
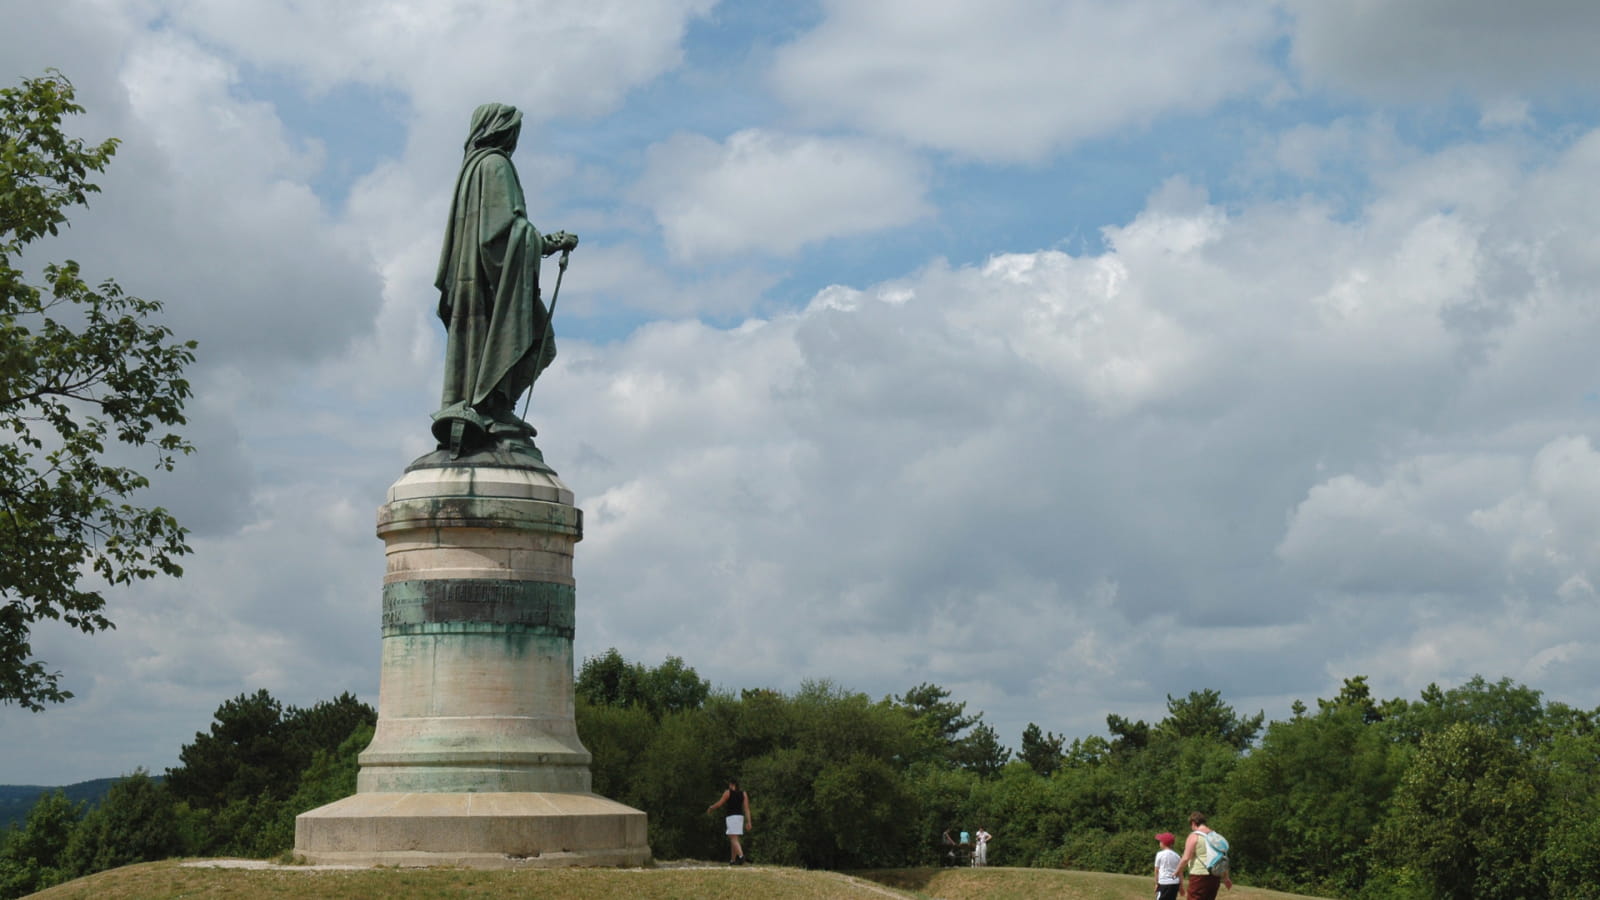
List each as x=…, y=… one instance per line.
x=544, y=336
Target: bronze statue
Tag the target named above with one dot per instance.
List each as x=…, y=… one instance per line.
x=498, y=330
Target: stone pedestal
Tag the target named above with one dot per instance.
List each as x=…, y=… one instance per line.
x=476, y=758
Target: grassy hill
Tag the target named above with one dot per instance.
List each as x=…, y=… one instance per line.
x=172, y=879
x=17, y=799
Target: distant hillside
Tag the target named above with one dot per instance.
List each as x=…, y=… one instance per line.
x=17, y=799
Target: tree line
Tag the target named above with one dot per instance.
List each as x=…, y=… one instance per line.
x=235, y=792
x=1483, y=790
x=1479, y=791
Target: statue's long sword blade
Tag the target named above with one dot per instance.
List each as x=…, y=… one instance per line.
x=544, y=336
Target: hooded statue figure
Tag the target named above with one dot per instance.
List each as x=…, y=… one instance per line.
x=488, y=280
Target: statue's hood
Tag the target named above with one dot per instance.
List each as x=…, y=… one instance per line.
x=494, y=126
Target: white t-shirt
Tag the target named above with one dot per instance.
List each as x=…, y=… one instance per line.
x=1167, y=866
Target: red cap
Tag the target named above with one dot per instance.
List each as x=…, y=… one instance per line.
x=1164, y=837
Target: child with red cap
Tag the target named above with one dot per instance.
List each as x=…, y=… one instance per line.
x=1166, y=868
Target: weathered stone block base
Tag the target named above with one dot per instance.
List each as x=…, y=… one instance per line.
x=481, y=831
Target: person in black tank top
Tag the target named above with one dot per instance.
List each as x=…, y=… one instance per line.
x=737, y=803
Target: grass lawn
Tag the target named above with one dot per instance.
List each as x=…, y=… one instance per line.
x=671, y=881
x=1026, y=884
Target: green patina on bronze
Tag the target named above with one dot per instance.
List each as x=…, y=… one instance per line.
x=478, y=606
x=499, y=456
x=498, y=331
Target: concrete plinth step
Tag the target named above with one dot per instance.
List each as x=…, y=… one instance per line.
x=481, y=830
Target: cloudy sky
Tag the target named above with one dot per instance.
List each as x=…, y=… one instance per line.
x=1064, y=354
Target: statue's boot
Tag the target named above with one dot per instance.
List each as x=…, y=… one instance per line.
x=506, y=424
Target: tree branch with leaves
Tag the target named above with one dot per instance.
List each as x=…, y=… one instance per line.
x=82, y=369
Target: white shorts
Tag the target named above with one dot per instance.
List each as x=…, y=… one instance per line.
x=736, y=825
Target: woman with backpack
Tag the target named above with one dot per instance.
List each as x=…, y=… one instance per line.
x=1205, y=860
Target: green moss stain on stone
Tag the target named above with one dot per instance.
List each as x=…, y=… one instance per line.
x=477, y=605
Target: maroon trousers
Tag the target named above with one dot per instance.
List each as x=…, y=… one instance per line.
x=1204, y=887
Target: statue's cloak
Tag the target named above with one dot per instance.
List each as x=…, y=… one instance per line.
x=488, y=276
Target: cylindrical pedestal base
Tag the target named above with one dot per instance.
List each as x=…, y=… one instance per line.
x=476, y=758
x=476, y=691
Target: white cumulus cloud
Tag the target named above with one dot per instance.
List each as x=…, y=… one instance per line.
x=769, y=192
x=1018, y=79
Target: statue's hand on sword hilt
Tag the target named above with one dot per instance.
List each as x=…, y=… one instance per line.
x=560, y=240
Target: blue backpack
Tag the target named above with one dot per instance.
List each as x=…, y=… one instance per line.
x=1216, y=861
